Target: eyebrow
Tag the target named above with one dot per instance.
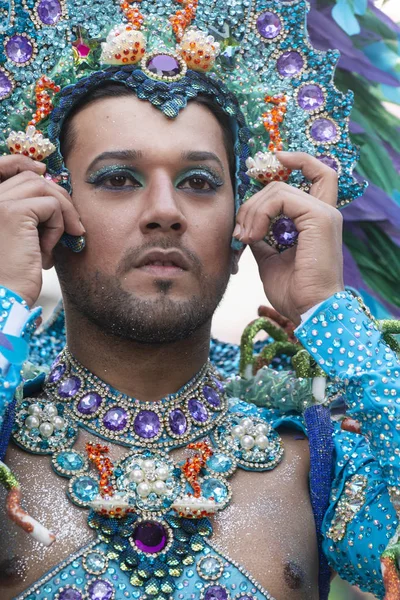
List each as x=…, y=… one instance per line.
x=201, y=156
x=132, y=155
x=125, y=155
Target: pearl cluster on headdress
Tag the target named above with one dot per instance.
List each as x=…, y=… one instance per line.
x=30, y=143
x=198, y=50
x=123, y=46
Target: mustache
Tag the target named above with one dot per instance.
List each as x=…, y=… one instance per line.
x=133, y=255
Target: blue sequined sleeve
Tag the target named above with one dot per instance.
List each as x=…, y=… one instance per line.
x=360, y=519
x=17, y=320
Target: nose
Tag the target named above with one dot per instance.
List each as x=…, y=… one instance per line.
x=162, y=210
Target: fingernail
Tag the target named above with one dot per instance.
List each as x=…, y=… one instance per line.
x=236, y=231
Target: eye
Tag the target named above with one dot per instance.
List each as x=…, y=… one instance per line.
x=121, y=181
x=196, y=183
x=115, y=179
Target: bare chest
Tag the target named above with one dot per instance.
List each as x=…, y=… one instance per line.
x=268, y=528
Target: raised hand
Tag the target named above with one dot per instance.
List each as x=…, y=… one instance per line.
x=302, y=276
x=34, y=213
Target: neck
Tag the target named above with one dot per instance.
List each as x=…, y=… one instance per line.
x=148, y=372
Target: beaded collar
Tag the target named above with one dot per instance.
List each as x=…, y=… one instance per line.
x=150, y=511
x=87, y=401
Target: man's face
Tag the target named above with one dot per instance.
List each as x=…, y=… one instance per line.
x=156, y=199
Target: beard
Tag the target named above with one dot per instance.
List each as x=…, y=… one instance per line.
x=101, y=299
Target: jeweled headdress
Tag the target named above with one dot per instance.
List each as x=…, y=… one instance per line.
x=169, y=51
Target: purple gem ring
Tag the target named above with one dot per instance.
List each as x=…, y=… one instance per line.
x=282, y=233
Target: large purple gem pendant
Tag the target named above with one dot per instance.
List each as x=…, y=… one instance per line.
x=149, y=537
x=164, y=66
x=284, y=232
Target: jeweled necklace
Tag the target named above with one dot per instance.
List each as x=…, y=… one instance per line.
x=86, y=401
x=149, y=509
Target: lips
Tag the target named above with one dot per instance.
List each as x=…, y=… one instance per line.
x=163, y=259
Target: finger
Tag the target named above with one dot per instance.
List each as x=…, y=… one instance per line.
x=262, y=252
x=281, y=198
x=45, y=214
x=40, y=187
x=324, y=179
x=257, y=219
x=14, y=164
x=243, y=211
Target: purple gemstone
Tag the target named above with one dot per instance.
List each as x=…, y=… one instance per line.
x=100, y=590
x=164, y=65
x=268, y=25
x=150, y=537
x=147, y=424
x=323, y=130
x=216, y=592
x=49, y=11
x=5, y=85
x=211, y=396
x=89, y=403
x=290, y=63
x=57, y=373
x=284, y=231
x=310, y=96
x=177, y=421
x=328, y=161
x=70, y=594
x=197, y=410
x=69, y=387
x=19, y=49
x=218, y=385
x=115, y=419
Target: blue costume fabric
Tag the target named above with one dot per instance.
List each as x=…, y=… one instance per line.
x=356, y=527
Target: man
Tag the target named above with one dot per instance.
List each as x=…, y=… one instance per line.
x=158, y=219
x=177, y=485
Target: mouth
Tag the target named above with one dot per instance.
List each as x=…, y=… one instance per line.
x=160, y=263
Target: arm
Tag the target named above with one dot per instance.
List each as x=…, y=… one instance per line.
x=17, y=321
x=348, y=345
x=361, y=518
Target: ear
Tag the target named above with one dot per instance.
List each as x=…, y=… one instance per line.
x=235, y=260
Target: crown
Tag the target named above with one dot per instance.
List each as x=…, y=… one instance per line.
x=284, y=86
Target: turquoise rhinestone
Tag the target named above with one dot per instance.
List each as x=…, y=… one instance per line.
x=209, y=567
x=96, y=563
x=70, y=460
x=85, y=488
x=215, y=489
x=221, y=463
